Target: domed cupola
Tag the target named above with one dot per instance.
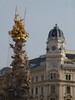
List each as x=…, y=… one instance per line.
x=56, y=34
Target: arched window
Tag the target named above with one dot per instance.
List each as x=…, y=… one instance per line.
x=53, y=75
x=68, y=77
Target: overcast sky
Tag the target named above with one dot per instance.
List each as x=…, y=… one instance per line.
x=41, y=16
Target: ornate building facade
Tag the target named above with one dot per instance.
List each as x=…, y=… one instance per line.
x=53, y=74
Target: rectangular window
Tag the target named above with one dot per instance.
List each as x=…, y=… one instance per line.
x=32, y=79
x=52, y=99
x=41, y=89
x=68, y=99
x=68, y=89
x=36, y=78
x=42, y=77
x=32, y=91
x=52, y=88
x=36, y=91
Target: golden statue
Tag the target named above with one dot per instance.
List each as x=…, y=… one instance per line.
x=18, y=32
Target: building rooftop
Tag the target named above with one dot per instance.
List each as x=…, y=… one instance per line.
x=37, y=61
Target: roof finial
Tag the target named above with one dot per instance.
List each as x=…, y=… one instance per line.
x=56, y=26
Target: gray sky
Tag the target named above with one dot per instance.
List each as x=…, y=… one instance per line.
x=41, y=16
